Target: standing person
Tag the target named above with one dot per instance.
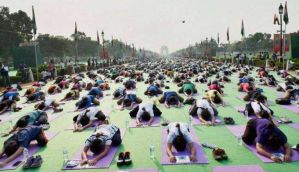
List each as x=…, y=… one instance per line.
x=62, y=66
x=51, y=68
x=4, y=74
x=22, y=68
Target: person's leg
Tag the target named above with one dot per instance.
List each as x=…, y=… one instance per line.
x=116, y=139
x=96, y=101
x=250, y=133
x=162, y=99
x=42, y=139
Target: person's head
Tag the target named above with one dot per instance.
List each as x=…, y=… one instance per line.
x=84, y=120
x=127, y=102
x=88, y=86
x=188, y=92
x=172, y=100
x=68, y=95
x=97, y=146
x=274, y=142
x=23, y=121
x=116, y=94
x=41, y=106
x=179, y=141
x=100, y=116
x=260, y=98
x=217, y=99
x=51, y=89
x=11, y=145
x=145, y=115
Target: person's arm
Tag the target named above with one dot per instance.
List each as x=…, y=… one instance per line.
x=14, y=156
x=288, y=152
x=203, y=120
x=84, y=159
x=193, y=152
x=261, y=150
x=150, y=121
x=169, y=153
x=100, y=156
x=3, y=110
x=11, y=131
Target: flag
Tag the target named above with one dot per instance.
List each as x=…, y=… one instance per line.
x=76, y=31
x=242, y=29
x=285, y=15
x=276, y=20
x=227, y=34
x=33, y=21
x=218, y=39
x=98, y=38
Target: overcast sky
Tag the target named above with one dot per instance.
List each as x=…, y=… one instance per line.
x=153, y=23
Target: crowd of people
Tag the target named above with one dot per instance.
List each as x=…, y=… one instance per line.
x=261, y=130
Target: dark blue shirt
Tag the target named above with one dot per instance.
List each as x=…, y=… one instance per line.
x=28, y=134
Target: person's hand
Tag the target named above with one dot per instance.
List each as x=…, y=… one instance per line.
x=275, y=159
x=172, y=159
x=79, y=129
x=2, y=164
x=83, y=162
x=287, y=158
x=92, y=162
x=138, y=124
x=193, y=158
x=149, y=124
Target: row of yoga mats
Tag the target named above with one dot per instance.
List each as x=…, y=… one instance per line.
x=138, y=140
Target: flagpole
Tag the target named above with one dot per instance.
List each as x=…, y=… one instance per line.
x=35, y=56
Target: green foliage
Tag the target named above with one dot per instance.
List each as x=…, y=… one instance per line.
x=14, y=29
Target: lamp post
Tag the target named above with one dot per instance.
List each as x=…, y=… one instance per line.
x=103, y=46
x=280, y=10
x=207, y=48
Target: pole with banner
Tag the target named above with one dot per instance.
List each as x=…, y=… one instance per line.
x=34, y=41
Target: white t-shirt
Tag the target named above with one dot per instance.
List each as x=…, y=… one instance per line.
x=173, y=132
x=107, y=132
x=91, y=114
x=148, y=107
x=203, y=103
x=257, y=107
x=48, y=102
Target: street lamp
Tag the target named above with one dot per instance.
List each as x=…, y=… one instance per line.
x=103, y=46
x=280, y=10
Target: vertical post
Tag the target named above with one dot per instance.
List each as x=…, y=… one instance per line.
x=281, y=41
x=284, y=44
x=35, y=57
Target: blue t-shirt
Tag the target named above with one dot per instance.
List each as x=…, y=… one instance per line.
x=131, y=97
x=33, y=116
x=169, y=94
x=263, y=132
x=10, y=95
x=152, y=88
x=26, y=135
x=95, y=91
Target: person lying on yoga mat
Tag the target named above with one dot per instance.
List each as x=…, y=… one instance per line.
x=31, y=90
x=119, y=93
x=214, y=85
x=72, y=95
x=64, y=84
x=53, y=89
x=119, y=79
x=130, y=84
x=268, y=81
x=153, y=90
x=205, y=111
x=87, y=118
x=178, y=136
x=145, y=113
x=11, y=96
x=171, y=98
x=86, y=102
x=201, y=78
x=13, y=147
x=214, y=97
x=100, y=142
x=267, y=136
x=259, y=108
x=78, y=85
x=104, y=86
x=129, y=100
x=48, y=103
x=96, y=92
x=37, y=96
x=252, y=93
x=188, y=88
x=7, y=105
x=37, y=118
